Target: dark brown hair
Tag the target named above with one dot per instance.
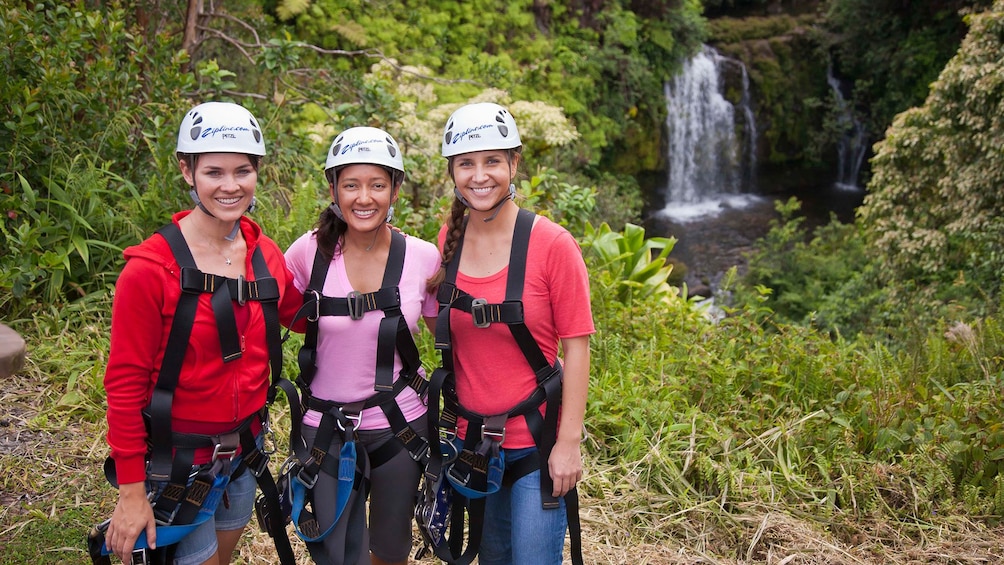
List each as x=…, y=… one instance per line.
x=330, y=228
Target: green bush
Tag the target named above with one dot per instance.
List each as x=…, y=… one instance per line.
x=627, y=267
x=78, y=82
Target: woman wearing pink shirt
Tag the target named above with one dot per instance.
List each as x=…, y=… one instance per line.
x=366, y=383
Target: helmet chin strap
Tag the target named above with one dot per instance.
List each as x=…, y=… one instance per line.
x=337, y=211
x=496, y=208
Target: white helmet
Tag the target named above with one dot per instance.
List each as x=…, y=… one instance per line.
x=365, y=145
x=479, y=127
x=220, y=127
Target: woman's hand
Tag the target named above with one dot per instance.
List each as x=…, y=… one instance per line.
x=565, y=466
x=133, y=514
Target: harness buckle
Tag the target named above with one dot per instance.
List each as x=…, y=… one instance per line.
x=220, y=452
x=497, y=436
x=305, y=479
x=257, y=462
x=479, y=312
x=140, y=557
x=354, y=419
x=457, y=476
x=317, y=305
x=421, y=454
x=356, y=304
x=241, y=290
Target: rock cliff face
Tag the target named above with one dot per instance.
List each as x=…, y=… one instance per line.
x=786, y=60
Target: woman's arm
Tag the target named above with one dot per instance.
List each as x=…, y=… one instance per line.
x=136, y=335
x=430, y=322
x=565, y=463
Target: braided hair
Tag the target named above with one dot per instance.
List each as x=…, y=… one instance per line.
x=455, y=228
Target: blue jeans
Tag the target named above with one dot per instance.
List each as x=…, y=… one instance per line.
x=200, y=545
x=518, y=531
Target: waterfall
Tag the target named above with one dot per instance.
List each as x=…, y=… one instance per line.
x=708, y=160
x=749, y=178
x=852, y=145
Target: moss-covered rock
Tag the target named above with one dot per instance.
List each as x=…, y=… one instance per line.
x=787, y=66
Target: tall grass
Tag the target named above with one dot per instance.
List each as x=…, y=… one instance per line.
x=688, y=417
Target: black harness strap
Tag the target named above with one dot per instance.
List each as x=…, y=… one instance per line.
x=469, y=468
x=393, y=336
x=171, y=454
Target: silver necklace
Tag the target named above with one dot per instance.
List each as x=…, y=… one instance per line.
x=226, y=256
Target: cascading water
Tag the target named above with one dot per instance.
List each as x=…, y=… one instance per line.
x=708, y=162
x=712, y=201
x=853, y=145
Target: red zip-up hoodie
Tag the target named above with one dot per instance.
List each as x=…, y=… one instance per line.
x=212, y=397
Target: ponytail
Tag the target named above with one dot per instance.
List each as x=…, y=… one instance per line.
x=330, y=228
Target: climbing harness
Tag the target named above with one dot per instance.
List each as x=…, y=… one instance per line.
x=351, y=469
x=480, y=468
x=188, y=495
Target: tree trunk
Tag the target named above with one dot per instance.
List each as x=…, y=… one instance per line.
x=191, y=40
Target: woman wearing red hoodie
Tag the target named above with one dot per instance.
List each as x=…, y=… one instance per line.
x=194, y=317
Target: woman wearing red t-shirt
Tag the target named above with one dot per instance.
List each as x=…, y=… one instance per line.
x=495, y=372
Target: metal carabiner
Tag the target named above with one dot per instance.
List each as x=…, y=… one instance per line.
x=317, y=305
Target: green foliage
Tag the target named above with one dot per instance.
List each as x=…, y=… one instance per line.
x=822, y=278
x=619, y=200
x=71, y=135
x=932, y=222
x=894, y=51
x=604, y=67
x=733, y=30
x=628, y=267
x=569, y=205
x=67, y=350
x=64, y=238
x=752, y=409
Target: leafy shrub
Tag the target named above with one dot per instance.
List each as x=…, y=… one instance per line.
x=626, y=266
x=64, y=241
x=932, y=220
x=71, y=145
x=822, y=278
